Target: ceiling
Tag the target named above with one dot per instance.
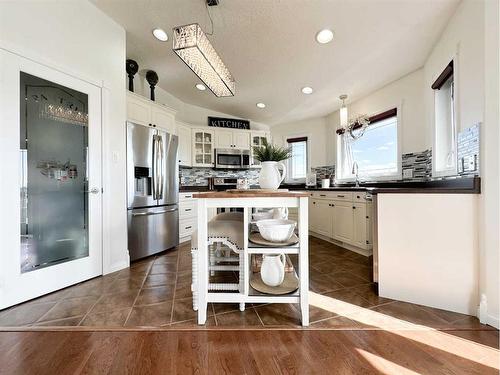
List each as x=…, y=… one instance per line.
x=269, y=46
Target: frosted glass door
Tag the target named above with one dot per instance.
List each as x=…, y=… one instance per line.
x=51, y=217
x=54, y=180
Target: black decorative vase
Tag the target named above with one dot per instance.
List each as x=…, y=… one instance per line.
x=131, y=67
x=152, y=79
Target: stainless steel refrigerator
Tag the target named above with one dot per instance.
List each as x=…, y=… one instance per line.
x=152, y=190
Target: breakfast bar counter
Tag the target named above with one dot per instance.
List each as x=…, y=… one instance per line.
x=249, y=201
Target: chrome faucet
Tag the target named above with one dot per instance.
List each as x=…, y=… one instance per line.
x=355, y=170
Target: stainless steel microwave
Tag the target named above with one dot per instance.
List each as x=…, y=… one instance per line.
x=227, y=158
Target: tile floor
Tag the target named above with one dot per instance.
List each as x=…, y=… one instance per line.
x=155, y=292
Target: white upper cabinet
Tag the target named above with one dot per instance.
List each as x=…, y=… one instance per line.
x=163, y=119
x=146, y=112
x=138, y=110
x=224, y=138
x=241, y=140
x=228, y=138
x=184, y=134
x=203, y=147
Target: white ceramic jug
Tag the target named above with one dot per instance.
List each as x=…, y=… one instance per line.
x=270, y=176
x=272, y=271
x=280, y=213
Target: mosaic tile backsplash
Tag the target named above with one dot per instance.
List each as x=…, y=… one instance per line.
x=468, y=150
x=198, y=176
x=420, y=163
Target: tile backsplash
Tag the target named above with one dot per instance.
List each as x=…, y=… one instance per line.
x=418, y=165
x=198, y=176
x=468, y=150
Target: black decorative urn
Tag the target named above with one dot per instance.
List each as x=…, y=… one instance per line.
x=132, y=68
x=152, y=79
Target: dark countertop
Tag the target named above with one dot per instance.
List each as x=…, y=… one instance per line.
x=463, y=185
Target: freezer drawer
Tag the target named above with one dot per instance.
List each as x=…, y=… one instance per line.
x=151, y=230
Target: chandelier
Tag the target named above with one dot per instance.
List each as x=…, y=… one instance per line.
x=64, y=114
x=193, y=47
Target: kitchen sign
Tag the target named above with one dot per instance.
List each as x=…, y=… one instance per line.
x=220, y=122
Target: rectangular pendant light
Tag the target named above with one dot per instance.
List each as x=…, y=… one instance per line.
x=193, y=47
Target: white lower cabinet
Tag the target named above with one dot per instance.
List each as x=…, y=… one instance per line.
x=188, y=215
x=320, y=217
x=343, y=217
x=343, y=222
x=360, y=225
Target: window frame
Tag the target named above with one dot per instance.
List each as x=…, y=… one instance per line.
x=453, y=171
x=349, y=177
x=288, y=178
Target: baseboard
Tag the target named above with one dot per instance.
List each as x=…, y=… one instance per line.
x=118, y=266
x=184, y=239
x=346, y=246
x=482, y=313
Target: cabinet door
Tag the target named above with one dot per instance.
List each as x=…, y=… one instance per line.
x=138, y=110
x=360, y=225
x=184, y=134
x=257, y=140
x=224, y=138
x=321, y=217
x=202, y=154
x=343, y=221
x=241, y=140
x=163, y=119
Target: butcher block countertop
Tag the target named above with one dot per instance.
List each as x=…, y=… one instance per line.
x=253, y=193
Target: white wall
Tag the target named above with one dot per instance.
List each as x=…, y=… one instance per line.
x=186, y=112
x=78, y=39
x=489, y=234
x=464, y=37
x=315, y=130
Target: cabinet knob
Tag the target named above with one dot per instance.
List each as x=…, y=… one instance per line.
x=353, y=207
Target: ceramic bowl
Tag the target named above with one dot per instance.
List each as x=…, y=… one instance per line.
x=275, y=230
x=263, y=215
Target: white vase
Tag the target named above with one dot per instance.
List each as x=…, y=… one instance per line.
x=270, y=176
x=272, y=271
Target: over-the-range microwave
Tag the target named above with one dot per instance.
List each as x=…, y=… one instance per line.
x=227, y=158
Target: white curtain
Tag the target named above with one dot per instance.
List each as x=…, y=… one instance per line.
x=346, y=160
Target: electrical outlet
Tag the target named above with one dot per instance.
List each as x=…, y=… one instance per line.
x=408, y=173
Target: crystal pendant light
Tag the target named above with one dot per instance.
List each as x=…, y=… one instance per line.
x=343, y=112
x=193, y=47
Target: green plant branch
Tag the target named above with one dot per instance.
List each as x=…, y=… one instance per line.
x=270, y=152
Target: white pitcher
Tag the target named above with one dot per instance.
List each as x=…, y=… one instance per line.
x=270, y=176
x=280, y=213
x=272, y=271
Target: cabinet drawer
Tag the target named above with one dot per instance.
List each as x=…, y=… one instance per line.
x=186, y=196
x=322, y=195
x=186, y=227
x=342, y=196
x=187, y=209
x=359, y=196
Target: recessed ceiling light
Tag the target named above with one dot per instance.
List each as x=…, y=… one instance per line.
x=200, y=87
x=324, y=36
x=260, y=105
x=307, y=90
x=160, y=34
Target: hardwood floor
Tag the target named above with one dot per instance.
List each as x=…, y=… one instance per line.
x=246, y=352
x=155, y=292
x=140, y=321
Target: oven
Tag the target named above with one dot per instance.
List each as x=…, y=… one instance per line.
x=226, y=158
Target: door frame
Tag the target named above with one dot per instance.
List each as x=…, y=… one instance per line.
x=14, y=286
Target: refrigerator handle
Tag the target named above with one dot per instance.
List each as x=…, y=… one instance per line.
x=155, y=167
x=161, y=154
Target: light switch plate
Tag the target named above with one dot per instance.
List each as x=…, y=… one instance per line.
x=408, y=173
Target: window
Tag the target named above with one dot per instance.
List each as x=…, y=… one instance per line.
x=444, y=152
x=375, y=152
x=297, y=164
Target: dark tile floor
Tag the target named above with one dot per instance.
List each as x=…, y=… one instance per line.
x=155, y=292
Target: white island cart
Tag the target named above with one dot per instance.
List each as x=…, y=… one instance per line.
x=249, y=200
